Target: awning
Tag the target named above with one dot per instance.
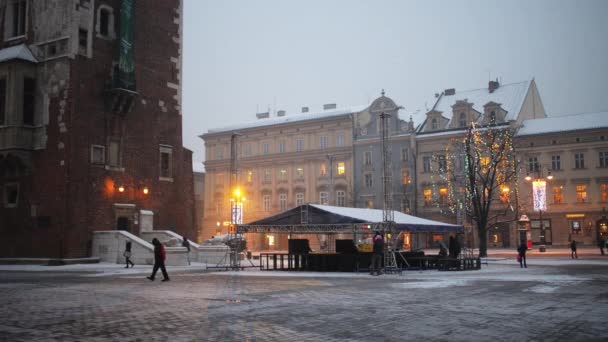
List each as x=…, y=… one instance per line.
x=17, y=52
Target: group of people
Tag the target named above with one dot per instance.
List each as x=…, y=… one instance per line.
x=160, y=255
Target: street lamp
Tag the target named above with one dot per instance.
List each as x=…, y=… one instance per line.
x=539, y=192
x=237, y=206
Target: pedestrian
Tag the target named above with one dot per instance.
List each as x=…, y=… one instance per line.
x=186, y=243
x=378, y=252
x=573, y=254
x=159, y=260
x=454, y=247
x=521, y=255
x=127, y=255
x=601, y=243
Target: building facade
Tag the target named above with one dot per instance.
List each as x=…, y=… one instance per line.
x=90, y=123
x=574, y=151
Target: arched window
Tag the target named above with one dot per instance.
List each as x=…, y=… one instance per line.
x=462, y=120
x=105, y=22
x=434, y=123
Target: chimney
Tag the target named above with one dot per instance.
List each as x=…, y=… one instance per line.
x=493, y=85
x=329, y=106
x=264, y=115
x=304, y=109
x=281, y=113
x=449, y=92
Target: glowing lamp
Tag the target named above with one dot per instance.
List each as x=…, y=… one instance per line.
x=121, y=189
x=146, y=190
x=528, y=178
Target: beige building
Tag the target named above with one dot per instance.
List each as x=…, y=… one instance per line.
x=574, y=149
x=283, y=161
x=506, y=106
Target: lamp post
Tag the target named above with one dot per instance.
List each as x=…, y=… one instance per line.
x=539, y=192
x=331, y=159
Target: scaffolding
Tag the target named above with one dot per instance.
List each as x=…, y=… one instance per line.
x=390, y=262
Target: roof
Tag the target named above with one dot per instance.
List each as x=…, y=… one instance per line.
x=289, y=119
x=511, y=97
x=17, y=52
x=554, y=124
x=325, y=214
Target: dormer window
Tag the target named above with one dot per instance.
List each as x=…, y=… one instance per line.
x=493, y=117
x=434, y=123
x=463, y=120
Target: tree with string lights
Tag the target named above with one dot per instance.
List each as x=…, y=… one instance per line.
x=481, y=174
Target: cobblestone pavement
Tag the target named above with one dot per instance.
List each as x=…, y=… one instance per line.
x=499, y=303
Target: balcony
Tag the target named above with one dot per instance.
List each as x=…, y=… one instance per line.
x=22, y=138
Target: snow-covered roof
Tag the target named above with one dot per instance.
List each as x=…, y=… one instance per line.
x=17, y=52
x=510, y=97
x=555, y=124
x=289, y=118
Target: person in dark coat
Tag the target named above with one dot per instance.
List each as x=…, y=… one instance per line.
x=127, y=255
x=378, y=252
x=573, y=254
x=159, y=260
x=601, y=244
x=454, y=247
x=186, y=243
x=521, y=251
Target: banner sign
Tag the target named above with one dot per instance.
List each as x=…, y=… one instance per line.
x=126, y=63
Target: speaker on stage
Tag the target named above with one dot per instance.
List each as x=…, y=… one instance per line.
x=346, y=247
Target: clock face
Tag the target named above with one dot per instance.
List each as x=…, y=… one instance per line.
x=363, y=118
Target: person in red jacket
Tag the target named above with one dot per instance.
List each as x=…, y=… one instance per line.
x=159, y=260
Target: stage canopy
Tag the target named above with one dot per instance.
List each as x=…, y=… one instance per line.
x=310, y=218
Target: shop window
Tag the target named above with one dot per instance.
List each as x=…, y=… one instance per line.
x=166, y=156
x=428, y=197
x=581, y=193
x=576, y=227
x=443, y=196
x=98, y=154
x=29, y=97
x=11, y=195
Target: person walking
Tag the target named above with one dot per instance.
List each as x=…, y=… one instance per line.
x=521, y=255
x=127, y=255
x=186, y=243
x=573, y=254
x=601, y=244
x=159, y=260
x=378, y=252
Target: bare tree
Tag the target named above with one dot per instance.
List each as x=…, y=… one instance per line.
x=481, y=175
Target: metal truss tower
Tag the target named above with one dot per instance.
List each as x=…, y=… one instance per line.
x=388, y=217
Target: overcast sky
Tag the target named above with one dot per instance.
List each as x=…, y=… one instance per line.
x=243, y=57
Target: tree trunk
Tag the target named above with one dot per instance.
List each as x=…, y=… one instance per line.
x=483, y=241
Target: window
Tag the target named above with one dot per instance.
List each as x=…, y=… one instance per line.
x=443, y=196
x=114, y=153
x=299, y=145
x=405, y=154
x=428, y=197
x=105, y=22
x=441, y=163
x=323, y=142
x=300, y=172
x=323, y=170
x=166, y=153
x=434, y=123
x=405, y=205
x=282, y=202
x=16, y=18
x=11, y=195
x=558, y=194
x=603, y=159
x=581, y=193
x=267, y=176
x=556, y=163
x=98, y=154
x=266, y=148
x=341, y=169
x=2, y=101
x=340, y=140
x=249, y=176
x=405, y=177
x=533, y=164
x=604, y=191
x=462, y=122
x=299, y=198
x=367, y=158
x=323, y=198
x=426, y=164
x=492, y=117
x=266, y=203
x=282, y=147
x=29, y=97
x=576, y=227
x=579, y=160
x=282, y=175
x=369, y=204
x=247, y=150
x=340, y=198
x=219, y=152
x=368, y=180
x=83, y=41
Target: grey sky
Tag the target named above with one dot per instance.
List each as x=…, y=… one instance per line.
x=243, y=56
